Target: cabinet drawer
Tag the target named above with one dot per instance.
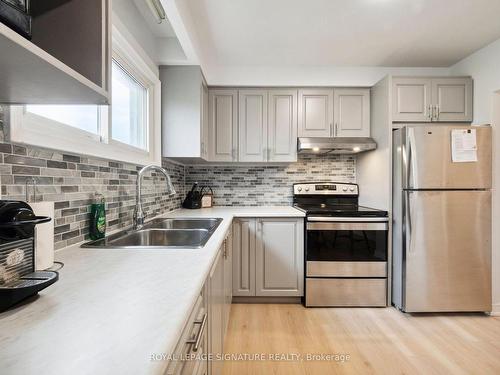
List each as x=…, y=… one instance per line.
x=346, y=292
x=194, y=332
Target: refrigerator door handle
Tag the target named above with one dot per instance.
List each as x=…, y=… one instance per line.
x=409, y=161
x=409, y=229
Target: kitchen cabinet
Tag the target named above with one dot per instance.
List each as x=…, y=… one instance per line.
x=452, y=99
x=244, y=257
x=208, y=321
x=315, y=112
x=252, y=125
x=216, y=312
x=351, y=111
x=268, y=257
x=282, y=125
x=228, y=278
x=193, y=341
x=421, y=99
x=279, y=257
x=49, y=69
x=223, y=125
x=184, y=112
x=267, y=125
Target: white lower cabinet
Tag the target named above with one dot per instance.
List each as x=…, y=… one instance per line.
x=268, y=257
x=208, y=322
x=216, y=314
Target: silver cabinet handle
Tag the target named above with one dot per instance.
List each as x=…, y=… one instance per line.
x=433, y=113
x=197, y=340
x=336, y=133
x=331, y=130
x=429, y=112
x=437, y=112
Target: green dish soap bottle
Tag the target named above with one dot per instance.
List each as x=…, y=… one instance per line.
x=97, y=218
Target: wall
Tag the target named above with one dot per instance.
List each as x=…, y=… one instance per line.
x=71, y=180
x=269, y=184
x=307, y=76
x=484, y=68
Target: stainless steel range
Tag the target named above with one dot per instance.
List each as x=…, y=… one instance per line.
x=345, y=244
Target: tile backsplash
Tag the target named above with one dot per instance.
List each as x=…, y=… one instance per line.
x=269, y=184
x=71, y=180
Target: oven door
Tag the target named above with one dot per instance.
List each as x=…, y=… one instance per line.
x=346, y=249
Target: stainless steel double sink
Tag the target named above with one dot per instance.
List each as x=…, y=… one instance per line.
x=170, y=233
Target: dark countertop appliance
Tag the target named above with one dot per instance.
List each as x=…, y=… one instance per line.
x=18, y=279
x=345, y=246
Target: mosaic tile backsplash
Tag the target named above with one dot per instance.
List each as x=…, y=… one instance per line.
x=71, y=181
x=267, y=184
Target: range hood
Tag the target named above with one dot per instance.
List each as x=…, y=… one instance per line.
x=337, y=145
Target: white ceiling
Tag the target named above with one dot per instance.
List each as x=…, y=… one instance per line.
x=405, y=33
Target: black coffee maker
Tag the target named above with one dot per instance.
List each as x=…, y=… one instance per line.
x=18, y=279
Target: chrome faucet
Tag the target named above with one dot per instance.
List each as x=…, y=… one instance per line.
x=139, y=215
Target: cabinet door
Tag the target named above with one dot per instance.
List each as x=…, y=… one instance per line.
x=228, y=278
x=411, y=99
x=452, y=98
x=204, y=122
x=351, y=112
x=244, y=257
x=279, y=261
x=316, y=113
x=216, y=312
x=223, y=125
x=282, y=126
x=252, y=125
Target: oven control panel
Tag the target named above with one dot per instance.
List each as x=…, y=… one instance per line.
x=325, y=188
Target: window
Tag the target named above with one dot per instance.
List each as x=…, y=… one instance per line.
x=128, y=130
x=129, y=109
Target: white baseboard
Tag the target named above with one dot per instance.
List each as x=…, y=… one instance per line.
x=495, y=310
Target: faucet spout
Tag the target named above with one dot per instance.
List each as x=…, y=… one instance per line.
x=139, y=215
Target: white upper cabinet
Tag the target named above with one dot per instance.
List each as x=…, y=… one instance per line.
x=223, y=125
x=315, y=113
x=445, y=99
x=252, y=125
x=282, y=126
x=351, y=112
x=452, y=99
x=411, y=99
x=184, y=112
x=68, y=59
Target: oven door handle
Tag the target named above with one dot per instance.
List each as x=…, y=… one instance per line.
x=337, y=219
x=325, y=225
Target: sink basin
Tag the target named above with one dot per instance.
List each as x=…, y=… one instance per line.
x=191, y=223
x=162, y=237
x=162, y=233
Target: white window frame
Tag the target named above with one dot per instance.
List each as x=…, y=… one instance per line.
x=29, y=128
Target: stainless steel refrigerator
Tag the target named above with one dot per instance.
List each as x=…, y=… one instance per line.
x=442, y=218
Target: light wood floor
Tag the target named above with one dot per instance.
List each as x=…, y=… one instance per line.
x=378, y=341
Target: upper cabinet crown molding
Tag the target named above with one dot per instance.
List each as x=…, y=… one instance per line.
x=68, y=60
x=425, y=99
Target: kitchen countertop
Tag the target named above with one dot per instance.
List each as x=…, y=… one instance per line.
x=112, y=309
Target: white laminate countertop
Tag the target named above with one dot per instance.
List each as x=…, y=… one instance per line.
x=112, y=309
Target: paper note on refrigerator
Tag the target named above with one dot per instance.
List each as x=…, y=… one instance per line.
x=463, y=145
